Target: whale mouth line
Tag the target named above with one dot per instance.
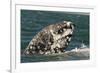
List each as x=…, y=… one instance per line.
x=65, y=37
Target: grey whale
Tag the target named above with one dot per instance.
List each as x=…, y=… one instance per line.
x=51, y=39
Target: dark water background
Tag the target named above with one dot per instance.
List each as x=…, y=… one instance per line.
x=33, y=21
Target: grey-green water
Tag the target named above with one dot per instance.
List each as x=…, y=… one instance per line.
x=33, y=21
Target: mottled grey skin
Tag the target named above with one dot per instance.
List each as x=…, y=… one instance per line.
x=52, y=39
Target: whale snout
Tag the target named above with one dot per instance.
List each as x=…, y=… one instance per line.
x=69, y=25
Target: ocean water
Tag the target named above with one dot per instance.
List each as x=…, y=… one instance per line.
x=33, y=21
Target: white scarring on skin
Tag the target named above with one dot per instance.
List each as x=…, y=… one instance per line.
x=52, y=39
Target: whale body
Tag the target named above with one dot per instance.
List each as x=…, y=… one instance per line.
x=51, y=39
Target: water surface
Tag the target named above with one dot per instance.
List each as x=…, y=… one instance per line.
x=33, y=21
